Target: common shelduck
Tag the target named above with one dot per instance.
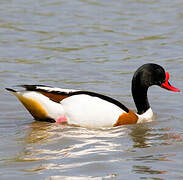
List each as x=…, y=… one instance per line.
x=90, y=109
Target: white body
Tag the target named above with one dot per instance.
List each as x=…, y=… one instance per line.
x=88, y=111
x=82, y=110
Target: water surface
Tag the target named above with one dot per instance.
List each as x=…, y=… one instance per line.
x=97, y=46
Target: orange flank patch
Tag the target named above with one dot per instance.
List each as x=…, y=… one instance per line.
x=54, y=97
x=34, y=107
x=127, y=118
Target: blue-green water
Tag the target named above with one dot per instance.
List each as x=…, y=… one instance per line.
x=97, y=46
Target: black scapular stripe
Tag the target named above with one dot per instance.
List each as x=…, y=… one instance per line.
x=101, y=96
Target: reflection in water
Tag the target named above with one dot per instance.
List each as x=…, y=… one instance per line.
x=39, y=135
x=44, y=142
x=146, y=138
x=38, y=132
x=54, y=146
x=147, y=170
x=139, y=135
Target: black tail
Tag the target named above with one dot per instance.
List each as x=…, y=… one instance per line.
x=12, y=90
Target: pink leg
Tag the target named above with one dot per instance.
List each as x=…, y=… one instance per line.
x=61, y=119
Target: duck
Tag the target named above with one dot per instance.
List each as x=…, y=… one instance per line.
x=91, y=109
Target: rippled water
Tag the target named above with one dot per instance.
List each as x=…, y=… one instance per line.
x=90, y=45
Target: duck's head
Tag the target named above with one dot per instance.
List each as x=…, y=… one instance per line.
x=153, y=74
x=146, y=76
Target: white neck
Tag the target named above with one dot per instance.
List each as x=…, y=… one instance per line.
x=145, y=117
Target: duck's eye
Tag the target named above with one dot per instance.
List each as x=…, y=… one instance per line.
x=160, y=82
